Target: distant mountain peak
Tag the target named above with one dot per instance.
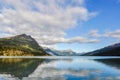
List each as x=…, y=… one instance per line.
x=68, y=50
x=55, y=52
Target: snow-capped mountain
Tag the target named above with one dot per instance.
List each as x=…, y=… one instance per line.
x=61, y=52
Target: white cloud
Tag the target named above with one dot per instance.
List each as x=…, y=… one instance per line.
x=49, y=41
x=45, y=20
x=113, y=34
x=94, y=33
x=109, y=34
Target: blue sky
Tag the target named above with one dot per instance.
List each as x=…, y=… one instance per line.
x=80, y=25
x=107, y=19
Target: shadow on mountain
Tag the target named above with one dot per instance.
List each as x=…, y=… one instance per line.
x=19, y=67
x=110, y=62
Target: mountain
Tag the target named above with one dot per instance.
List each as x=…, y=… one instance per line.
x=60, y=52
x=20, y=45
x=112, y=50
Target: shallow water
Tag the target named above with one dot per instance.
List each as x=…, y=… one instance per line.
x=59, y=68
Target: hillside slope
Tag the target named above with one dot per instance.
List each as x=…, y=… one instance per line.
x=112, y=50
x=20, y=45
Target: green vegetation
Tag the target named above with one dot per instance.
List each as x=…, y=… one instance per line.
x=20, y=45
x=19, y=67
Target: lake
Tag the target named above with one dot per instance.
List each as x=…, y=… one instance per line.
x=60, y=68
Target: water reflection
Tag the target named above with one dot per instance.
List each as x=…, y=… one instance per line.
x=76, y=69
x=110, y=62
x=60, y=69
x=18, y=67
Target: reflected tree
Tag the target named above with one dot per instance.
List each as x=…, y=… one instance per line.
x=19, y=67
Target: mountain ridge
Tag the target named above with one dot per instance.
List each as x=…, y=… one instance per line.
x=20, y=45
x=111, y=50
x=55, y=52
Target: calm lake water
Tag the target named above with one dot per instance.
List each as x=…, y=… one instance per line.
x=59, y=68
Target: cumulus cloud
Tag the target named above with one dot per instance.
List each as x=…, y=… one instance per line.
x=94, y=33
x=71, y=40
x=109, y=34
x=45, y=20
x=113, y=34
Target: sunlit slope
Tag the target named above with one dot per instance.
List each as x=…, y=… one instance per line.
x=21, y=45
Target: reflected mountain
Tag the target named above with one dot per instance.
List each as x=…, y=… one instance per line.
x=18, y=67
x=60, y=68
x=110, y=62
x=74, y=69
